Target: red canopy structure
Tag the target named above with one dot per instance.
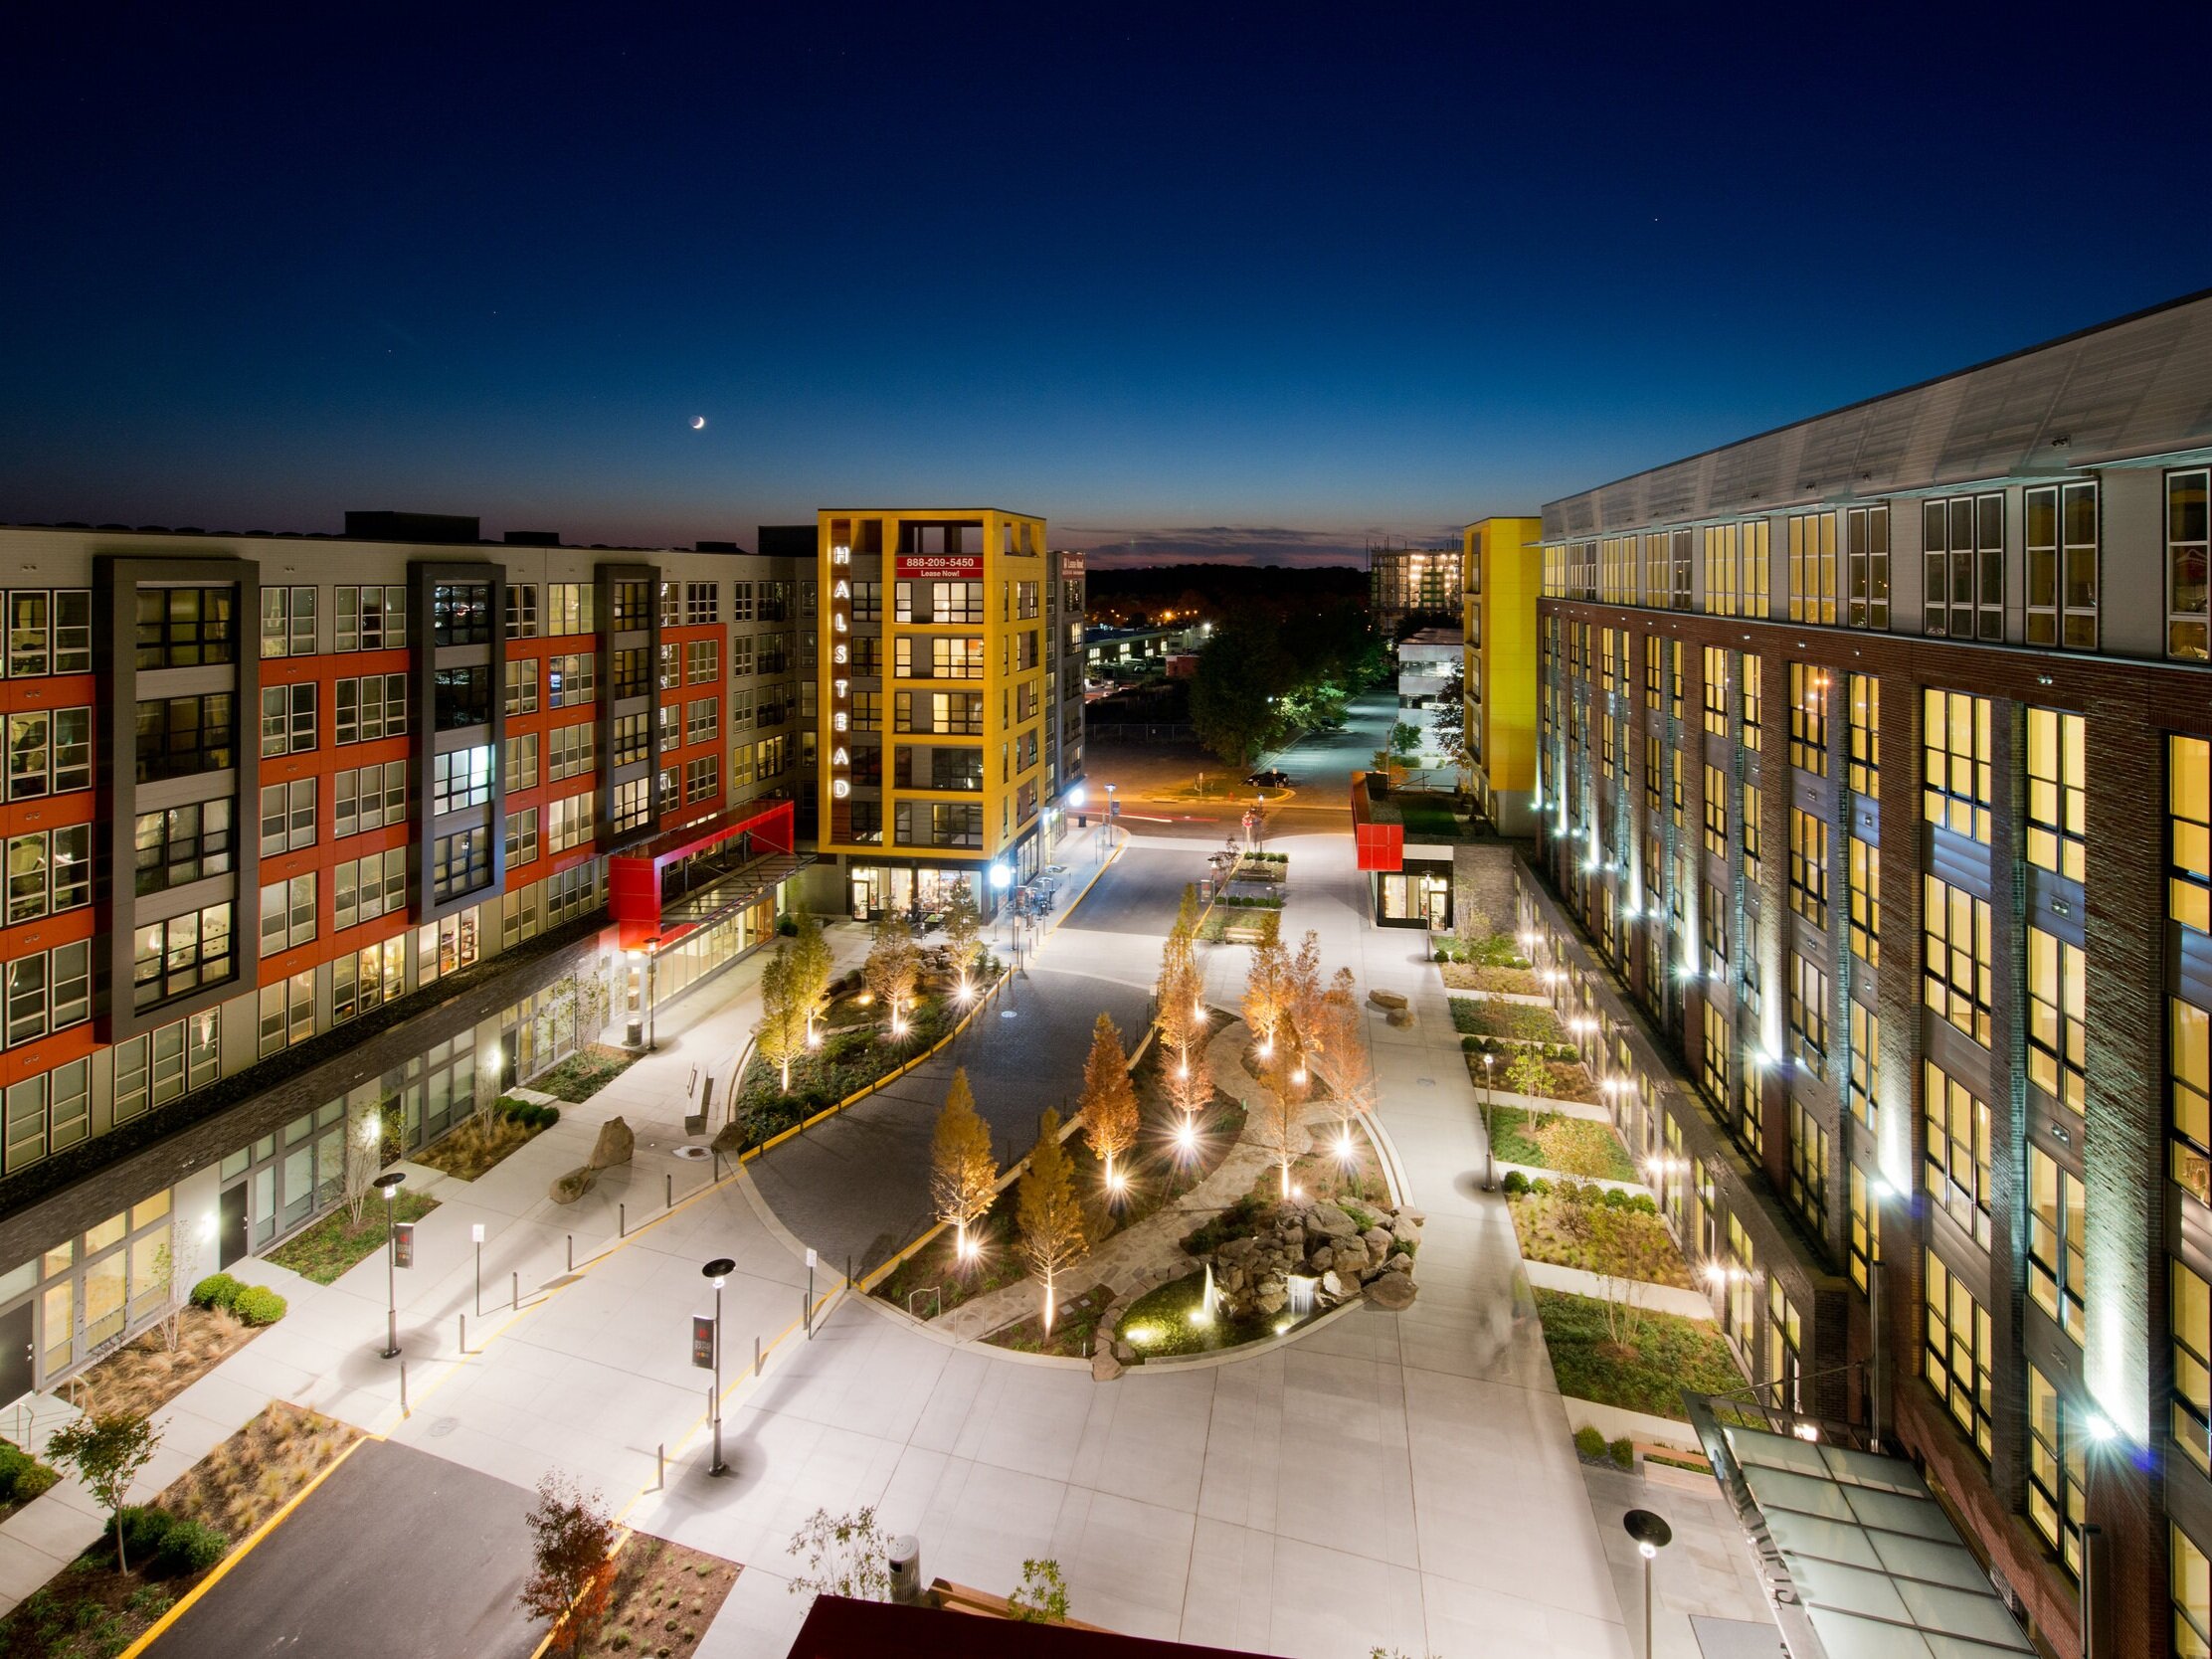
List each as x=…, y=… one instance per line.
x=748, y=850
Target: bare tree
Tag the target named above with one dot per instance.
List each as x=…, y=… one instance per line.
x=812, y=961
x=963, y=1174
x=1275, y=1125
x=1267, y=986
x=847, y=1555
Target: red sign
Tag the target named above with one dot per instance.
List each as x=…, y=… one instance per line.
x=702, y=1342
x=403, y=1244
x=938, y=567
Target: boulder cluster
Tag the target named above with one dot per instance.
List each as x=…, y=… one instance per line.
x=1342, y=1252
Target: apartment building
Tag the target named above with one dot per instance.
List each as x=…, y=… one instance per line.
x=1875, y=777
x=950, y=661
x=309, y=834
x=1404, y=581
x=1502, y=564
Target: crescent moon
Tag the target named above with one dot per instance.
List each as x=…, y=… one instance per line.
x=698, y=423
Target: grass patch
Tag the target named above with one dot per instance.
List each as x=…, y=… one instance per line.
x=1159, y=1322
x=144, y=1374
x=1553, y=1141
x=1666, y=1356
x=1426, y=819
x=1619, y=1243
x=324, y=1251
x=1074, y=1328
x=1511, y=1022
x=92, y=1611
x=664, y=1597
x=480, y=1144
x=582, y=1075
x=1509, y=981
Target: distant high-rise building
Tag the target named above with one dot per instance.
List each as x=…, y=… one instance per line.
x=1404, y=580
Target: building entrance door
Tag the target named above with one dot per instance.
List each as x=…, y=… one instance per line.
x=15, y=1354
x=230, y=1226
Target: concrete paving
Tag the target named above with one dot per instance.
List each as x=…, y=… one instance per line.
x=396, y=1553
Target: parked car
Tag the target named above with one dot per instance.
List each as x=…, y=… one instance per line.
x=1271, y=779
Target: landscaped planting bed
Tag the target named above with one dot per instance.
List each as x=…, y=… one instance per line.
x=93, y=1610
x=1160, y=1321
x=582, y=1075
x=856, y=1054
x=664, y=1597
x=1074, y=1327
x=1661, y=1357
x=1511, y=982
x=145, y=1374
x=1508, y=1021
x=1543, y=1076
x=1621, y=1239
x=487, y=1137
x=22, y=1478
x=324, y=1251
x=1554, y=1141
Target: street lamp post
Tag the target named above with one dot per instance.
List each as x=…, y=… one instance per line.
x=1652, y=1535
x=652, y=976
x=389, y=1183
x=1489, y=1161
x=2100, y=1434
x=718, y=1270
x=1110, y=788
x=1881, y=1191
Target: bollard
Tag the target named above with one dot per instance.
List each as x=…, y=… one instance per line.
x=756, y=1356
x=465, y=1333
x=661, y=1458
x=514, y=1293
x=807, y=1314
x=672, y=1189
x=571, y=1252
x=848, y=1270
x=403, y=1411
x=621, y=1220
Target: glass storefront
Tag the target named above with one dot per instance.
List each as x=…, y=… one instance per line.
x=878, y=890
x=1416, y=896
x=94, y=1288
x=701, y=951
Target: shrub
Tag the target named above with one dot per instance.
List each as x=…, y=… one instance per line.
x=1590, y=1444
x=217, y=1290
x=14, y=1462
x=145, y=1529
x=1643, y=1204
x=1516, y=1183
x=1541, y=1186
x=1614, y=1198
x=191, y=1546
x=257, y=1305
x=34, y=1481
x=1624, y=1453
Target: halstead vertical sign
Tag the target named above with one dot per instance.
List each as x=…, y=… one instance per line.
x=841, y=675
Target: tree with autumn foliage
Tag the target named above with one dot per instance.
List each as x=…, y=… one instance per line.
x=572, y=1540
x=1109, y=1101
x=892, y=969
x=1053, y=1238
x=1267, y=985
x=1178, y=993
x=962, y=1172
x=1275, y=1124
x=1334, y=1039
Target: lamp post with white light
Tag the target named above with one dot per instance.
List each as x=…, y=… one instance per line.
x=1489, y=1161
x=389, y=1183
x=1881, y=1190
x=1652, y=1535
x=718, y=1270
x=2102, y=1433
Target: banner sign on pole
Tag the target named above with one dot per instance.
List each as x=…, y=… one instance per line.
x=403, y=1244
x=702, y=1342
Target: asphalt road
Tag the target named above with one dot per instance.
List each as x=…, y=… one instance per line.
x=398, y=1553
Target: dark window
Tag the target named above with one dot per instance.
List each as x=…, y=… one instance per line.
x=461, y=614
x=183, y=845
x=184, y=628
x=181, y=736
x=633, y=676
x=462, y=697
x=462, y=864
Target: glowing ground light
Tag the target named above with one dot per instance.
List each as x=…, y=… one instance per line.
x=1117, y=1180
x=1343, y=1146
x=1281, y=1326
x=1141, y=1333
x=1198, y=1010
x=1201, y=1319
x=1186, y=1136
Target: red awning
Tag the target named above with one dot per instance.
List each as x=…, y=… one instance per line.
x=634, y=878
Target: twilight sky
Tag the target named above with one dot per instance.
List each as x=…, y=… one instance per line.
x=1214, y=280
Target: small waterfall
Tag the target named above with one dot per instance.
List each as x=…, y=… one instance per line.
x=1206, y=1309
x=1301, y=1294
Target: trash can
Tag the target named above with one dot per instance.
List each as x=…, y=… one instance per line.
x=905, y=1563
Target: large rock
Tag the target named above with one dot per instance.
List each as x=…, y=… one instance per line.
x=1272, y=1301
x=1322, y=1259
x=573, y=1186
x=1399, y=1262
x=615, y=1144
x=729, y=1140
x=1378, y=1240
x=1391, y=1001
x=1352, y=1255
x=1393, y=1291
x=1399, y=1019
x=1104, y=1366
x=1239, y=1250
x=1328, y=1219
x=1334, y=1285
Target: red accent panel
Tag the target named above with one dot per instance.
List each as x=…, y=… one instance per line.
x=1378, y=846
x=634, y=878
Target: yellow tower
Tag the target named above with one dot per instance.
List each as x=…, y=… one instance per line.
x=932, y=632
x=1502, y=569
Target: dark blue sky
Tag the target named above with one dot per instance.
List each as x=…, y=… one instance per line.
x=1251, y=282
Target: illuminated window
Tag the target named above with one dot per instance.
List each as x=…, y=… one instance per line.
x=1808, y=1008
x=1749, y=665
x=1866, y=1065
x=1956, y=1164
x=2186, y=547
x=2189, y=832
x=1750, y=834
x=1955, y=765
x=2056, y=1472
x=2189, y=1096
x=2058, y=980
x=1808, y=1168
x=2061, y=545
x=1718, y=1059
x=1866, y=902
x=1716, y=690
x=1956, y=1351
x=1866, y=533
x=2058, y=1271
x=1808, y=719
x=1716, y=812
x=1809, y=866
x=2191, y=1589
x=1866, y=1239
x=1963, y=543
x=2191, y=1310
x=1866, y=736
x=1955, y=961
x=1713, y=922
x=2058, y=812
x=1812, y=567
